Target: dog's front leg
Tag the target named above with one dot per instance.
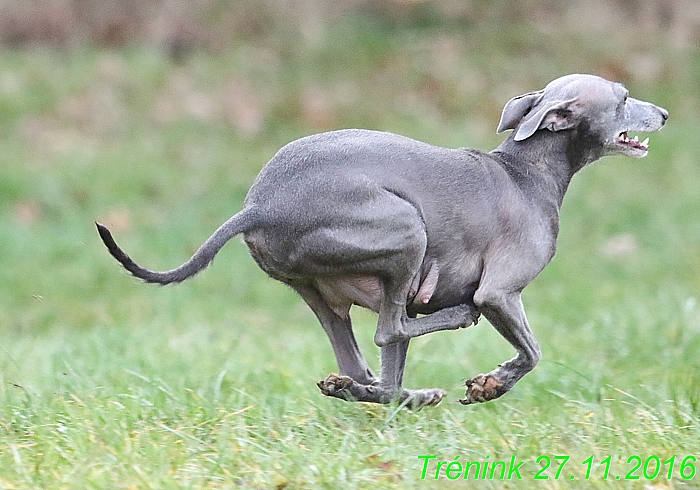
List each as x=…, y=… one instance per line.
x=506, y=313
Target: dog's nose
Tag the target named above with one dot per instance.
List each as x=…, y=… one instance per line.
x=664, y=113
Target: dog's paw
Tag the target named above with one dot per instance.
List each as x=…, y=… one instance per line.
x=336, y=386
x=482, y=388
x=467, y=315
x=429, y=397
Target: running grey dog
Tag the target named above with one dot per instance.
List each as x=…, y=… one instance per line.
x=366, y=218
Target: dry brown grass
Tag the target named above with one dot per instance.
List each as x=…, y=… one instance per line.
x=180, y=25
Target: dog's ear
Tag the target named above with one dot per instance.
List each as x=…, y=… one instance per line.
x=516, y=108
x=554, y=115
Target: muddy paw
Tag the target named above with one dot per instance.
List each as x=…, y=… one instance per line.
x=336, y=386
x=482, y=389
x=425, y=398
x=471, y=315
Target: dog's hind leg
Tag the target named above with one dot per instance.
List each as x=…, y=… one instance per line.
x=349, y=387
x=452, y=318
x=393, y=363
x=339, y=331
x=371, y=262
x=388, y=389
x=356, y=382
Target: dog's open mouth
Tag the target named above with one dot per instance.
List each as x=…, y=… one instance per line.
x=624, y=140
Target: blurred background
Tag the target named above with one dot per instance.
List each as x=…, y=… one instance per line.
x=155, y=116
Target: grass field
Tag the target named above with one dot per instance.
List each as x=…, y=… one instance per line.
x=109, y=383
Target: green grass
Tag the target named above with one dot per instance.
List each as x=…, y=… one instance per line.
x=109, y=383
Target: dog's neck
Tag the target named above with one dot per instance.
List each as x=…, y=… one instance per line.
x=543, y=164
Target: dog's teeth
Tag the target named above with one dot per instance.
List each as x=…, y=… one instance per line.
x=636, y=139
x=645, y=143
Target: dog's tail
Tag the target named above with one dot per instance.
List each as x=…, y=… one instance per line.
x=243, y=221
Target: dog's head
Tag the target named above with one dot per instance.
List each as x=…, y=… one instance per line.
x=602, y=107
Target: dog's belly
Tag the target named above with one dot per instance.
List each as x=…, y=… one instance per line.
x=425, y=296
x=342, y=292
x=365, y=290
x=446, y=298
x=449, y=280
